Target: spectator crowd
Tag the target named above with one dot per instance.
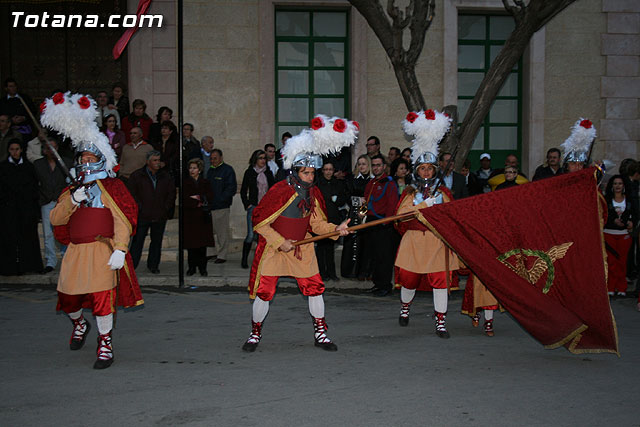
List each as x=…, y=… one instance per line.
x=148, y=150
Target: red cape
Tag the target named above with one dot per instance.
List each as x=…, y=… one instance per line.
x=128, y=291
x=270, y=207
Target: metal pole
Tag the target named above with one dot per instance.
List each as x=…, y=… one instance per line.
x=180, y=124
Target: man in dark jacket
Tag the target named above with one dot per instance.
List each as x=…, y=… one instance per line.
x=473, y=186
x=11, y=105
x=334, y=192
x=452, y=180
x=8, y=134
x=553, y=167
x=223, y=181
x=155, y=193
x=51, y=182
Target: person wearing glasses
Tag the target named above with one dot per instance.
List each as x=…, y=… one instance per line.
x=373, y=148
x=497, y=177
x=510, y=175
x=258, y=178
x=134, y=154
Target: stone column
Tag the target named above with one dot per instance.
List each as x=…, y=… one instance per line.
x=620, y=86
x=153, y=60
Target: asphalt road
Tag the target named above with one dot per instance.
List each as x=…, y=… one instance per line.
x=178, y=362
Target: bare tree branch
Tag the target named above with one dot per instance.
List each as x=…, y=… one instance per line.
x=389, y=27
x=529, y=19
x=511, y=9
x=423, y=14
x=378, y=21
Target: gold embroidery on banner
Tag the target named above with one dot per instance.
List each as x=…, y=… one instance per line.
x=543, y=263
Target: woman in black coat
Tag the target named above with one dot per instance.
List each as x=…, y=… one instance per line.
x=354, y=262
x=19, y=214
x=198, y=228
x=255, y=183
x=165, y=114
x=335, y=196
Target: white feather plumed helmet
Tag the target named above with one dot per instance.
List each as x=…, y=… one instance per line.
x=326, y=136
x=576, y=147
x=427, y=129
x=73, y=115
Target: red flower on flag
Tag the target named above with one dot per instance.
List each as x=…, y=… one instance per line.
x=339, y=125
x=317, y=123
x=586, y=124
x=58, y=98
x=84, y=103
x=411, y=117
x=356, y=124
x=430, y=115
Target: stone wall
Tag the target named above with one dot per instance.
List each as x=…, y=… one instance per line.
x=385, y=105
x=572, y=71
x=620, y=83
x=153, y=61
x=585, y=63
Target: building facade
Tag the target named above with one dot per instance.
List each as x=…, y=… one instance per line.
x=255, y=68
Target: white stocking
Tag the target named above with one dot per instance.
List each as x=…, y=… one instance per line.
x=316, y=306
x=75, y=315
x=105, y=323
x=488, y=314
x=406, y=295
x=260, y=309
x=440, y=299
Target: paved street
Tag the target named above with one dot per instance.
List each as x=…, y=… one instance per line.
x=178, y=362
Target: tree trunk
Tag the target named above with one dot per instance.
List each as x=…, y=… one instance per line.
x=409, y=87
x=389, y=28
x=497, y=74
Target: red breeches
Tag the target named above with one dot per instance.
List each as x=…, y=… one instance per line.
x=617, y=265
x=101, y=303
x=309, y=286
x=411, y=280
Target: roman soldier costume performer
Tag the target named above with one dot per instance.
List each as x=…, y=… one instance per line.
x=288, y=212
x=95, y=217
x=578, y=146
x=422, y=257
x=478, y=298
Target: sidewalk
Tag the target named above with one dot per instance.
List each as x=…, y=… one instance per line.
x=220, y=275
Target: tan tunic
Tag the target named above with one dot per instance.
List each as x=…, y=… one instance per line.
x=278, y=263
x=482, y=297
x=421, y=251
x=84, y=266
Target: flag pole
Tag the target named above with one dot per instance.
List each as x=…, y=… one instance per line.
x=400, y=217
x=180, y=124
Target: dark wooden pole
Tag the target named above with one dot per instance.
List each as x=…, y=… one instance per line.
x=180, y=123
x=404, y=216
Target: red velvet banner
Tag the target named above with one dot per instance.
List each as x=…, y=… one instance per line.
x=122, y=42
x=539, y=249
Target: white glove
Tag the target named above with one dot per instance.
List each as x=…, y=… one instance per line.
x=78, y=196
x=116, y=262
x=430, y=201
